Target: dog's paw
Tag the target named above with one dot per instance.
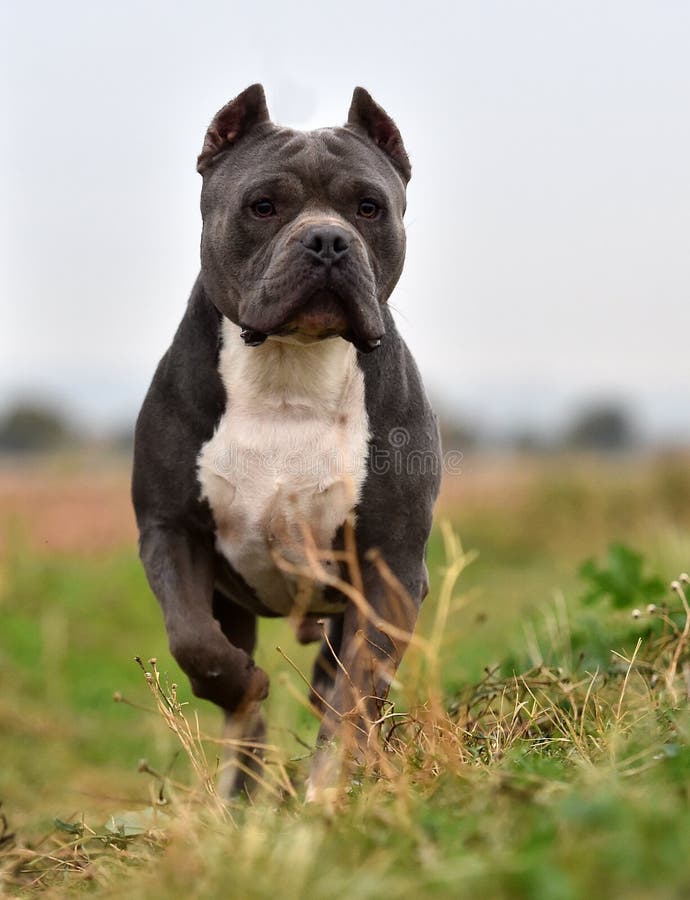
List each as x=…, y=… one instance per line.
x=257, y=688
x=324, y=782
x=218, y=671
x=308, y=630
x=326, y=798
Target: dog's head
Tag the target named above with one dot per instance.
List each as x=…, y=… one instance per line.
x=303, y=231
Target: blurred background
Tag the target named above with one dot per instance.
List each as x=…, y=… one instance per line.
x=548, y=275
x=546, y=299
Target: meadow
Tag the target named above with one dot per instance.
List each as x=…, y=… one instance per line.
x=537, y=743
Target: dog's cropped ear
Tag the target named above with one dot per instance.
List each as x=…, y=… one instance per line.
x=231, y=122
x=367, y=115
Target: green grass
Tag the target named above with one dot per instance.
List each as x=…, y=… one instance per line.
x=572, y=782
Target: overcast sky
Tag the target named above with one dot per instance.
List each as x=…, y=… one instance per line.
x=548, y=217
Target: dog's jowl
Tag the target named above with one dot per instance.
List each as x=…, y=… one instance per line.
x=287, y=459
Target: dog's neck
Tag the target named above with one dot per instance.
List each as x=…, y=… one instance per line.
x=284, y=375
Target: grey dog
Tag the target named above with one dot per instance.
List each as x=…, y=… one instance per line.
x=288, y=423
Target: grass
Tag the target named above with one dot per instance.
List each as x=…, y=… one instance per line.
x=542, y=746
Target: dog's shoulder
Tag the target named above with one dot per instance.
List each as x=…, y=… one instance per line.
x=395, y=393
x=405, y=462
x=183, y=404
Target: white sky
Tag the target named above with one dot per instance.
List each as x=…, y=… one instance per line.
x=549, y=211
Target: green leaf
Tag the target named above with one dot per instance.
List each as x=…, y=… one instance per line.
x=70, y=827
x=622, y=580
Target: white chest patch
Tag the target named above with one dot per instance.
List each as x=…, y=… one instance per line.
x=287, y=459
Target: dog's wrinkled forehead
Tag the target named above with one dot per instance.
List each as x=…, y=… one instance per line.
x=318, y=162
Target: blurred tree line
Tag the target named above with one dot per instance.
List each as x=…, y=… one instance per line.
x=33, y=427
x=597, y=427
x=30, y=427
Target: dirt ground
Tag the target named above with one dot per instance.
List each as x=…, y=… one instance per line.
x=83, y=506
x=66, y=511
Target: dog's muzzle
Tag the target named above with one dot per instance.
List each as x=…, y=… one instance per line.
x=335, y=300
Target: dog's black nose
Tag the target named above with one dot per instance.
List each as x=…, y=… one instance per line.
x=328, y=243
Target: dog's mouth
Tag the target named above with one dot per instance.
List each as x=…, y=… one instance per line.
x=323, y=316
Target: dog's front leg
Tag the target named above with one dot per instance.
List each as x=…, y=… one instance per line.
x=374, y=639
x=180, y=570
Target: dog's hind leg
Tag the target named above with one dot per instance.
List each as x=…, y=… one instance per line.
x=308, y=630
x=369, y=653
x=245, y=730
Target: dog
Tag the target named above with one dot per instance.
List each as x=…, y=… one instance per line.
x=287, y=459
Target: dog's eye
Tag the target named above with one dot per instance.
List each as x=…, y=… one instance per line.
x=263, y=209
x=368, y=209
